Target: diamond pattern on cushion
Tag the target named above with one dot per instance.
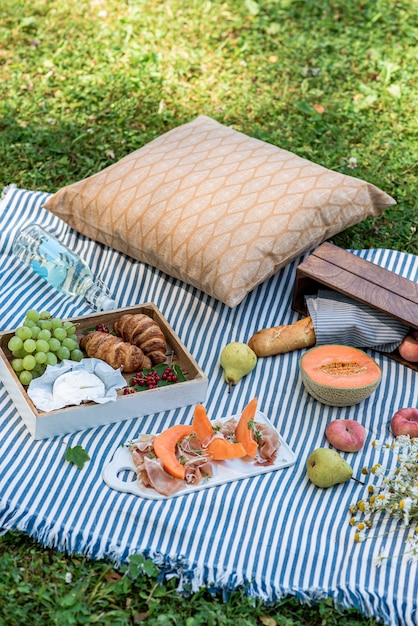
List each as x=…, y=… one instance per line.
x=215, y=208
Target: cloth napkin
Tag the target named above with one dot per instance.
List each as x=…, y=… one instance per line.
x=46, y=396
x=340, y=319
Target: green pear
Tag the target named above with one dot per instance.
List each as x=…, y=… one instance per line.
x=237, y=360
x=327, y=468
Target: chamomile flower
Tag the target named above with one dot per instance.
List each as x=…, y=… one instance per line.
x=395, y=496
x=377, y=444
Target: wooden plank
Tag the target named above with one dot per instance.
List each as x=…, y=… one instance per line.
x=357, y=266
x=362, y=289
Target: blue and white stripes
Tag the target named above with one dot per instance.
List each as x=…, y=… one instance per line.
x=338, y=318
x=276, y=534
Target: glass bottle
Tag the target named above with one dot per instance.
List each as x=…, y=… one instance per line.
x=60, y=267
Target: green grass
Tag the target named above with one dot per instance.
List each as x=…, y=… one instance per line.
x=84, y=83
x=47, y=588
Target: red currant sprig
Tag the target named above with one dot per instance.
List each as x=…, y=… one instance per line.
x=139, y=379
x=169, y=375
x=128, y=390
x=152, y=379
x=149, y=380
x=102, y=328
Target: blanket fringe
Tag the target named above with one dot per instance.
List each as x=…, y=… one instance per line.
x=6, y=190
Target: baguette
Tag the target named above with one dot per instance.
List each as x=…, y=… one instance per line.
x=282, y=339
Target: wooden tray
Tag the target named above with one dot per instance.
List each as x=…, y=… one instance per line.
x=80, y=417
x=366, y=282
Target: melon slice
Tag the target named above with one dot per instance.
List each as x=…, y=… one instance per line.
x=339, y=375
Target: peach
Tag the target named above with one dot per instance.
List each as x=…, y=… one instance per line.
x=409, y=347
x=346, y=435
x=405, y=422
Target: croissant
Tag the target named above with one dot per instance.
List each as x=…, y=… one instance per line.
x=115, y=351
x=141, y=330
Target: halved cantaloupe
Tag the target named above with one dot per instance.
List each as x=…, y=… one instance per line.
x=339, y=375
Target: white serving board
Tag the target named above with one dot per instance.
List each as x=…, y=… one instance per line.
x=119, y=473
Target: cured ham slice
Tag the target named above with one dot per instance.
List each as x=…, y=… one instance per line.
x=227, y=429
x=269, y=443
x=141, y=448
x=195, y=473
x=159, y=479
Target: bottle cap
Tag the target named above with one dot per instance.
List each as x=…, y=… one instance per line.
x=106, y=304
x=98, y=297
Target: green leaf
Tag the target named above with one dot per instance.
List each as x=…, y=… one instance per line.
x=139, y=566
x=77, y=455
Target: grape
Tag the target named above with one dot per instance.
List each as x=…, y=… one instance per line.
x=23, y=332
x=19, y=354
x=38, y=370
x=40, y=341
x=25, y=377
x=29, y=345
x=56, y=323
x=54, y=344
x=76, y=354
x=70, y=327
x=42, y=345
x=70, y=343
x=40, y=357
x=15, y=343
x=45, y=334
x=17, y=365
x=33, y=314
x=29, y=362
x=63, y=353
x=51, y=358
x=35, y=330
x=45, y=324
x=60, y=333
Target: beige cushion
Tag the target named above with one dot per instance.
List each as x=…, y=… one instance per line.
x=214, y=207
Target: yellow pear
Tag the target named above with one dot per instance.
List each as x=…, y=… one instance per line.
x=327, y=468
x=237, y=360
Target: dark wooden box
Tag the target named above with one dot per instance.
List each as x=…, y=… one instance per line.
x=334, y=268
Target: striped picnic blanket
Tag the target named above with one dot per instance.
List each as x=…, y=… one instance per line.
x=274, y=534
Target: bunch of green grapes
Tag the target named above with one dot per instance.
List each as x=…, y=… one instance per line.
x=42, y=340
